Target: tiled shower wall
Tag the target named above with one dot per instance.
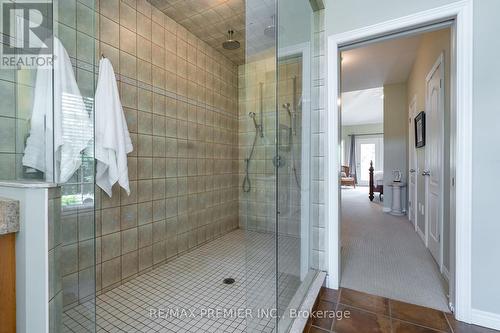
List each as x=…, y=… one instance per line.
x=318, y=142
x=54, y=259
x=180, y=100
x=257, y=207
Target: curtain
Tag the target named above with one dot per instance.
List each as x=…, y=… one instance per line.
x=352, y=158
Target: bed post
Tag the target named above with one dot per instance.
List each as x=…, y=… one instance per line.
x=371, y=196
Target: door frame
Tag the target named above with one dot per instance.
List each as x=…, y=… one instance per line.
x=412, y=113
x=303, y=50
x=461, y=80
x=439, y=62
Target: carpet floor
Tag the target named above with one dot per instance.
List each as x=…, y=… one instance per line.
x=383, y=255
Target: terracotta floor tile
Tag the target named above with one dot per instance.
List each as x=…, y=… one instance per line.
x=460, y=327
x=330, y=295
x=364, y=301
x=361, y=321
x=414, y=318
x=404, y=327
x=419, y=315
x=325, y=323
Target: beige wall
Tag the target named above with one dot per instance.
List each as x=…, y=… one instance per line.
x=431, y=46
x=395, y=136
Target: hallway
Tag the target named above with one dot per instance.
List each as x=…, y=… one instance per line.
x=383, y=255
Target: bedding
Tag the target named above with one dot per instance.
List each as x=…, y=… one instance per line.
x=378, y=178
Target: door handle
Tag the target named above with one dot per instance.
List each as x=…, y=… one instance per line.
x=426, y=173
x=412, y=170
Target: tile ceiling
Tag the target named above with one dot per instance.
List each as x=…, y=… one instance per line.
x=210, y=21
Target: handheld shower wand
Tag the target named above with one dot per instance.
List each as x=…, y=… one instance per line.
x=247, y=185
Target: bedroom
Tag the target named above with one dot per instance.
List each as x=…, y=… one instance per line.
x=395, y=187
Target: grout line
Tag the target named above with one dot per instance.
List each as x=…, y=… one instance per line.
x=420, y=325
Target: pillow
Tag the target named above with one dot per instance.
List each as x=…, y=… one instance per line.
x=343, y=174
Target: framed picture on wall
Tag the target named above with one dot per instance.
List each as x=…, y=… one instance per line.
x=420, y=130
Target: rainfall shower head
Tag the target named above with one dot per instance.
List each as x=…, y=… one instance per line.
x=230, y=43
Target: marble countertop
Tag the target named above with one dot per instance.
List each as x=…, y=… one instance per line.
x=9, y=216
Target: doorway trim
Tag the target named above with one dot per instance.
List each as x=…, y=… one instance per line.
x=412, y=113
x=439, y=62
x=461, y=13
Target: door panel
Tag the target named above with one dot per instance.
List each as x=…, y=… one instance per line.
x=434, y=159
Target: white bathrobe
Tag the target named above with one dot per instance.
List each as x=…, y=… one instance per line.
x=112, y=137
x=61, y=127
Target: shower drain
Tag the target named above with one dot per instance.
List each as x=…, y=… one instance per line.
x=228, y=281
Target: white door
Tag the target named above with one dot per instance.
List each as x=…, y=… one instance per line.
x=412, y=164
x=434, y=158
x=368, y=148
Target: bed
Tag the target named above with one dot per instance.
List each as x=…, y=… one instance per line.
x=376, y=183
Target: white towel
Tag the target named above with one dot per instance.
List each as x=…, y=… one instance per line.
x=60, y=123
x=112, y=137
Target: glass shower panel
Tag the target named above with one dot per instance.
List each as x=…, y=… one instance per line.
x=20, y=62
x=46, y=135
x=257, y=119
x=74, y=27
x=278, y=145
x=295, y=271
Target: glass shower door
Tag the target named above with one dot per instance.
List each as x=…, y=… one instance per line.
x=294, y=148
x=257, y=116
x=277, y=146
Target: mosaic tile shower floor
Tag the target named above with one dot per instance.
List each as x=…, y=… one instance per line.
x=193, y=282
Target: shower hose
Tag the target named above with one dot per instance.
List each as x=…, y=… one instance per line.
x=247, y=185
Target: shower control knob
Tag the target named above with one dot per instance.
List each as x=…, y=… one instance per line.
x=277, y=161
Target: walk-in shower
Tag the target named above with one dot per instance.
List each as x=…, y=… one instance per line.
x=225, y=175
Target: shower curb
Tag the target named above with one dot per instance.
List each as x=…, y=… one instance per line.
x=300, y=322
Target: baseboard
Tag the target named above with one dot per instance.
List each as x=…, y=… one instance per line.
x=386, y=209
x=421, y=234
x=485, y=319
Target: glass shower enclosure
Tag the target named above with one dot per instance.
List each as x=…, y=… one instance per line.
x=46, y=144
